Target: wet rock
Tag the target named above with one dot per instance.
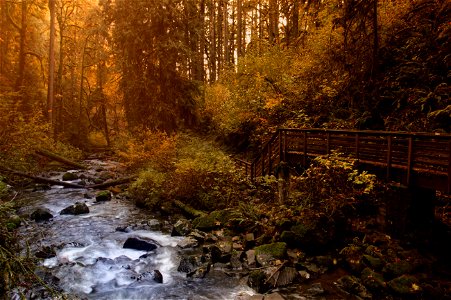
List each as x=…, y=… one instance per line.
x=315, y=289
x=249, y=241
x=194, y=266
x=235, y=261
x=274, y=296
x=103, y=196
x=188, y=242
x=353, y=286
x=41, y=214
x=157, y=276
x=372, y=280
x=76, y=209
x=68, y=176
x=138, y=244
x=154, y=224
x=250, y=257
x=123, y=229
x=198, y=235
x=257, y=281
x=181, y=228
x=266, y=253
x=46, y=252
x=405, y=285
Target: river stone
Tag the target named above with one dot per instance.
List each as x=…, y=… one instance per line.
x=157, y=276
x=138, y=244
x=76, y=209
x=103, y=196
x=372, y=280
x=269, y=252
x=68, y=176
x=257, y=281
x=352, y=285
x=405, y=285
x=274, y=296
x=188, y=242
x=41, y=214
x=181, y=228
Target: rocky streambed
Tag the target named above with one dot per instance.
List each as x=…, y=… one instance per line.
x=98, y=245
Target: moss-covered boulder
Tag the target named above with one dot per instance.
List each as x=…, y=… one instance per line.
x=268, y=252
x=373, y=262
x=398, y=268
x=405, y=285
x=352, y=285
x=373, y=280
x=216, y=219
x=103, y=196
x=68, y=176
x=257, y=281
x=13, y=222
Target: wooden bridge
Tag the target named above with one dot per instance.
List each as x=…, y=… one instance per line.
x=411, y=159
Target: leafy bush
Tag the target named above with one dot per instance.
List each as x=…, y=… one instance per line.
x=331, y=182
x=200, y=175
x=147, y=149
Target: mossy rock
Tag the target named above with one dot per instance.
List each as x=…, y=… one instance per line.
x=373, y=280
x=257, y=281
x=373, y=262
x=352, y=285
x=405, y=285
x=289, y=237
x=103, y=196
x=41, y=214
x=68, y=176
x=276, y=250
x=215, y=219
x=398, y=268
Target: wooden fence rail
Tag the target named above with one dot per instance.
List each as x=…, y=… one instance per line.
x=421, y=159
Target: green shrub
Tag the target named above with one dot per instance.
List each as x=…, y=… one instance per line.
x=332, y=181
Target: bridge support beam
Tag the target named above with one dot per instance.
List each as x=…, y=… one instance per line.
x=409, y=209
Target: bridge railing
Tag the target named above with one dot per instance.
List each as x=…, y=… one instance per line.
x=409, y=158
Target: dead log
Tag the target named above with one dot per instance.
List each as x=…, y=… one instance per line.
x=43, y=179
x=59, y=158
x=188, y=209
x=112, y=182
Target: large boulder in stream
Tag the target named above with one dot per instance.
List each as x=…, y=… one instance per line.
x=138, y=244
x=76, y=209
x=41, y=215
x=103, y=196
x=69, y=176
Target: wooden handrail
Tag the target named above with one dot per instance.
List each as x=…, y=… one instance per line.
x=401, y=154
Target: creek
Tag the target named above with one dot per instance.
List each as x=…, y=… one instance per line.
x=90, y=261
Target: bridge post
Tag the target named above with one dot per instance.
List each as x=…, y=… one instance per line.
x=409, y=209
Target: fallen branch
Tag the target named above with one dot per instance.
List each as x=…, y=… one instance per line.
x=188, y=209
x=112, y=183
x=43, y=179
x=59, y=158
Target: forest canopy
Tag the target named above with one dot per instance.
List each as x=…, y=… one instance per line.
x=235, y=68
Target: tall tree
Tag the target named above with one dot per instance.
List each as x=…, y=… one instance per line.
x=51, y=78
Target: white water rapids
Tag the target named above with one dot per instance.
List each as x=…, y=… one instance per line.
x=91, y=262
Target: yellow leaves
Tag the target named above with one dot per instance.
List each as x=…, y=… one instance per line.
x=272, y=102
x=415, y=287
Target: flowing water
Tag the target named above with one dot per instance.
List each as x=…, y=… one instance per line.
x=90, y=261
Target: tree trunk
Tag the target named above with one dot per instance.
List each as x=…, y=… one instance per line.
x=375, y=41
x=200, y=59
x=212, y=42
x=50, y=92
x=226, y=35
x=295, y=20
x=239, y=30
x=23, y=34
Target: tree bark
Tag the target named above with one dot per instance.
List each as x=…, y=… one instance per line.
x=43, y=179
x=50, y=92
x=112, y=183
x=23, y=34
x=59, y=158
